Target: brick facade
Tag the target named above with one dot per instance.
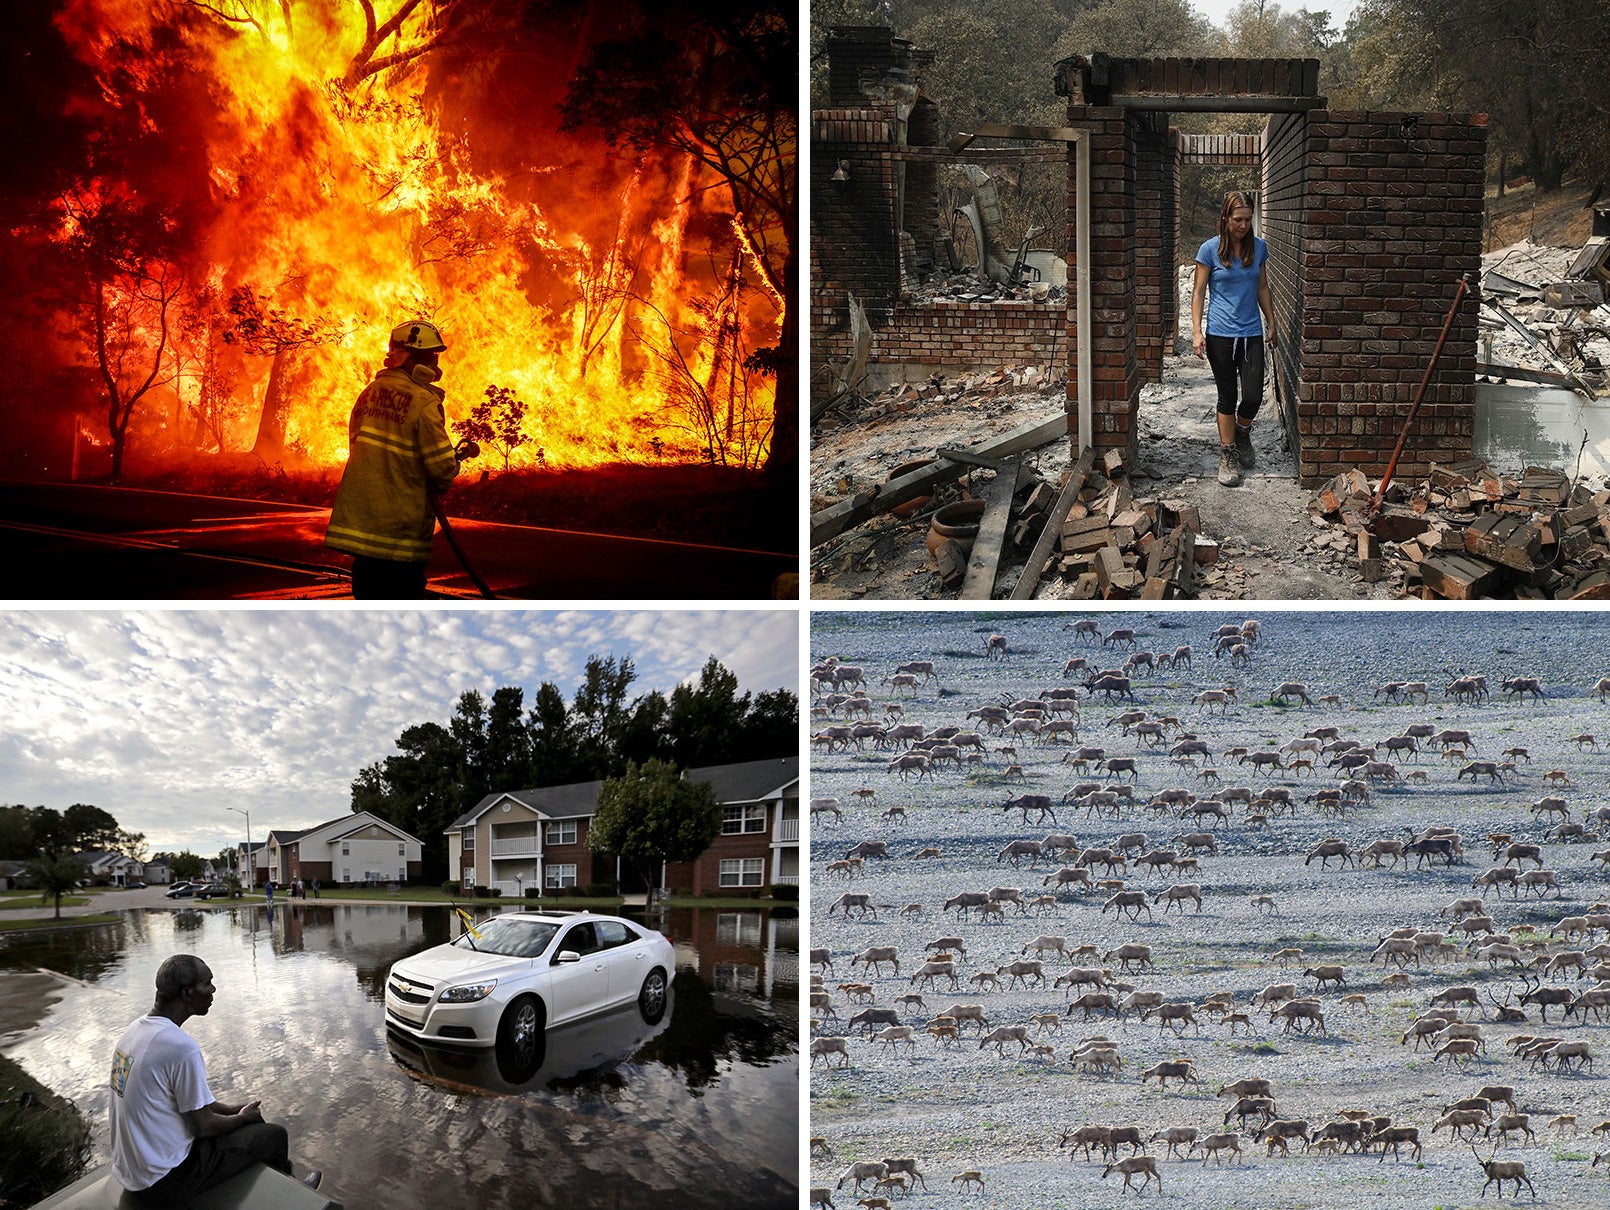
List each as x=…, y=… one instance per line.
x=1392, y=214
x=874, y=234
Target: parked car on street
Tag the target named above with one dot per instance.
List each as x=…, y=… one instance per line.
x=504, y=982
x=182, y=890
x=212, y=890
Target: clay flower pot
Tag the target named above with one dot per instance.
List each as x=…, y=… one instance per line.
x=915, y=505
x=956, y=523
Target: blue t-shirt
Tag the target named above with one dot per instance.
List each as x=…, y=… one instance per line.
x=1232, y=302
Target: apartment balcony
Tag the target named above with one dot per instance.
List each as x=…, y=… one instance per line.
x=517, y=846
x=786, y=829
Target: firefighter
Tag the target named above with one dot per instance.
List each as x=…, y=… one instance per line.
x=400, y=453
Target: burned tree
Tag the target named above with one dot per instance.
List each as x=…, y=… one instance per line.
x=265, y=330
x=734, y=113
x=496, y=422
x=127, y=285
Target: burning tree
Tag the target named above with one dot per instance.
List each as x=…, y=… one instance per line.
x=269, y=331
x=127, y=286
x=496, y=422
x=733, y=111
x=381, y=159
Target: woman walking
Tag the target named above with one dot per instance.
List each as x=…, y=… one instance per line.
x=1230, y=277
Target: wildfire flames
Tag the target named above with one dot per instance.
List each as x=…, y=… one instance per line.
x=321, y=170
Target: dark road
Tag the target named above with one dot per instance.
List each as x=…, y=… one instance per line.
x=71, y=541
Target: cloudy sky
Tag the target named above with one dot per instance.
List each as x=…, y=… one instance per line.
x=168, y=718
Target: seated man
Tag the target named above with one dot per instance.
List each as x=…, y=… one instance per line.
x=170, y=1138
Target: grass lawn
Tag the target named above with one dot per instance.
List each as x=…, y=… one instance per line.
x=27, y=899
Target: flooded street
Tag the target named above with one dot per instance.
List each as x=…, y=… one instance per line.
x=614, y=1113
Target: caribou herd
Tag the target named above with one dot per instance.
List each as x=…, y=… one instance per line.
x=1166, y=815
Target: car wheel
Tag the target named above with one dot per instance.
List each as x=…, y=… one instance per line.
x=651, y=999
x=521, y=1026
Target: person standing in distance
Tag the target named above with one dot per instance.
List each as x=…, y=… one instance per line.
x=399, y=454
x=1232, y=284
x=171, y=1138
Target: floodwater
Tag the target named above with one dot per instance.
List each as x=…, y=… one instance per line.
x=616, y=1114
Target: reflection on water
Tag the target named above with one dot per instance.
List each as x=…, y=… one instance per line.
x=612, y=1113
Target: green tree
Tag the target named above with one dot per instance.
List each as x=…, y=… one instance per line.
x=600, y=711
x=555, y=759
x=89, y=827
x=706, y=720
x=771, y=727
x=496, y=422
x=650, y=815
x=56, y=876
x=185, y=866
x=16, y=832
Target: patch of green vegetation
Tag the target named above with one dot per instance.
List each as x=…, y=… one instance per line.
x=44, y=1144
x=1561, y=1154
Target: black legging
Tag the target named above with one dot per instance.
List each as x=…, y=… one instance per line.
x=1237, y=359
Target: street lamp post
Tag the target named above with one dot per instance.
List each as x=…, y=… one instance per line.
x=251, y=864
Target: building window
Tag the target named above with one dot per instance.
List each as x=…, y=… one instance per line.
x=742, y=978
x=561, y=833
x=556, y=877
x=401, y=852
x=346, y=849
x=742, y=871
x=469, y=841
x=737, y=820
x=469, y=876
x=738, y=928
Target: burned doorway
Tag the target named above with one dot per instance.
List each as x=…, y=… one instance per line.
x=1371, y=220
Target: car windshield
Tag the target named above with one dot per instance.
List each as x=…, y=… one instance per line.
x=510, y=936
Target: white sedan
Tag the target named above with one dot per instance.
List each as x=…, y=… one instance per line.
x=524, y=972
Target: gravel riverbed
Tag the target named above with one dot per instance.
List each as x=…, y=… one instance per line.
x=963, y=1107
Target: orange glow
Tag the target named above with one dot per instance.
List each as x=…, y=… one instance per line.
x=353, y=205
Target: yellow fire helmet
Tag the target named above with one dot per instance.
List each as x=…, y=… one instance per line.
x=418, y=336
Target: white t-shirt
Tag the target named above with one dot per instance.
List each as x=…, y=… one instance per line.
x=157, y=1077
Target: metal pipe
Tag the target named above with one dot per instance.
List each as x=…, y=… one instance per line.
x=1425, y=380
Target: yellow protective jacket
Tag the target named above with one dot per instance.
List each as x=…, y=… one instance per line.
x=399, y=447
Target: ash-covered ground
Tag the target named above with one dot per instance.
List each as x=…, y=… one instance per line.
x=958, y=1108
x=1272, y=547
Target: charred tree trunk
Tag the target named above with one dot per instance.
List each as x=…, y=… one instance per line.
x=270, y=443
x=782, y=461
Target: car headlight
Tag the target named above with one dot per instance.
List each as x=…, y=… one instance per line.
x=467, y=993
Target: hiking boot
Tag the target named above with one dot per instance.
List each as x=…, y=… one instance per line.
x=1243, y=447
x=313, y=1179
x=1229, y=466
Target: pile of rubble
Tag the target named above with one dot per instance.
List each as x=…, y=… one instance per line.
x=938, y=391
x=1465, y=532
x=970, y=286
x=1537, y=318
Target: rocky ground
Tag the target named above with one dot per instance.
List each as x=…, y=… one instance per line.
x=964, y=1107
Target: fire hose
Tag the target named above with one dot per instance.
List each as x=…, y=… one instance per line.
x=463, y=451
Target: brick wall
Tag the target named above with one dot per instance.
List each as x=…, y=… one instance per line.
x=1393, y=216
x=1154, y=243
x=855, y=219
x=1115, y=385
x=1284, y=195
